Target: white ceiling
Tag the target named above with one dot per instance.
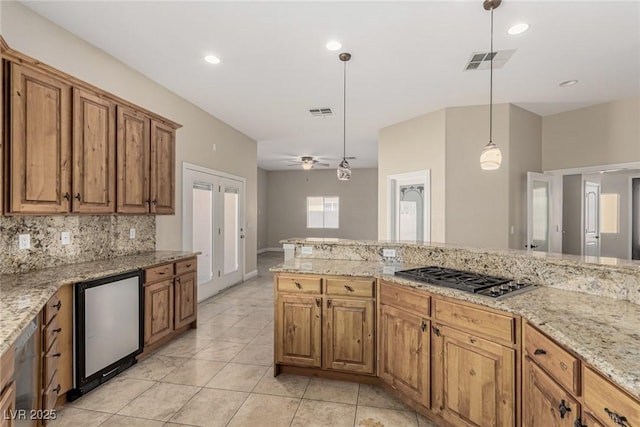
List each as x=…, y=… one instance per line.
x=408, y=59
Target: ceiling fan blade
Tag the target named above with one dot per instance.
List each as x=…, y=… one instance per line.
x=322, y=164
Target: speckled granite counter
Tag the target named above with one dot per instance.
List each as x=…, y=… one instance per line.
x=22, y=296
x=603, y=331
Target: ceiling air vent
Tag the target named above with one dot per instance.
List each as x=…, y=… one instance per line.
x=321, y=112
x=482, y=60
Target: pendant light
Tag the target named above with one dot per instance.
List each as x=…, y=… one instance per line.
x=491, y=157
x=344, y=170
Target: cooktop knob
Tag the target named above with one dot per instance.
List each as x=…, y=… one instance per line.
x=495, y=290
x=504, y=287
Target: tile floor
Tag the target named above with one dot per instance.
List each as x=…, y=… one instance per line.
x=221, y=374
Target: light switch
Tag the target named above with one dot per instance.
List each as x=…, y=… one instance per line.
x=24, y=241
x=306, y=250
x=132, y=233
x=65, y=238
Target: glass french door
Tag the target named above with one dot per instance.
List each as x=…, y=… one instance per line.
x=213, y=224
x=538, y=211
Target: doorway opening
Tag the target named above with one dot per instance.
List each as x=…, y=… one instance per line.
x=409, y=217
x=213, y=224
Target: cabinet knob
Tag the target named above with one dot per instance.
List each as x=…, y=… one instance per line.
x=563, y=409
x=616, y=418
x=349, y=288
x=423, y=325
x=58, y=305
x=318, y=302
x=328, y=303
x=298, y=285
x=154, y=201
x=77, y=197
x=178, y=280
x=67, y=196
x=436, y=331
x=539, y=351
x=57, y=331
x=57, y=389
x=578, y=423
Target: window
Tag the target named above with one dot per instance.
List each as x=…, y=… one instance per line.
x=609, y=213
x=323, y=212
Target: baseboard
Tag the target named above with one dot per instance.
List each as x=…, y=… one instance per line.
x=250, y=274
x=263, y=250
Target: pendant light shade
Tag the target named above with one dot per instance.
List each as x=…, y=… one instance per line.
x=344, y=169
x=491, y=157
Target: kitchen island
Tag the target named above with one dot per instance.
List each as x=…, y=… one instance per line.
x=587, y=310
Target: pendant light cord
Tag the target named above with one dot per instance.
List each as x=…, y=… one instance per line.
x=344, y=112
x=491, y=84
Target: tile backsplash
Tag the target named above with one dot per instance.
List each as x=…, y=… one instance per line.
x=92, y=237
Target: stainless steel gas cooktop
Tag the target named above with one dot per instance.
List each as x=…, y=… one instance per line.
x=491, y=286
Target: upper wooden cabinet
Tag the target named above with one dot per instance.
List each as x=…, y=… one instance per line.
x=70, y=147
x=94, y=153
x=134, y=150
x=40, y=145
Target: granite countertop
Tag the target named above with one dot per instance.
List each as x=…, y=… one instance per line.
x=603, y=331
x=23, y=295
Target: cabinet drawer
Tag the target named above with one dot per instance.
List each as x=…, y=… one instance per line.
x=51, y=392
x=50, y=362
x=6, y=368
x=185, y=266
x=51, y=309
x=558, y=363
x=350, y=287
x=158, y=273
x=411, y=300
x=606, y=401
x=475, y=320
x=306, y=285
x=50, y=332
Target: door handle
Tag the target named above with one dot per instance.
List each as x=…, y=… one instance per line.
x=596, y=237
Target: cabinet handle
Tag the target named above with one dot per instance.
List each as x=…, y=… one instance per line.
x=58, y=305
x=436, y=331
x=563, y=409
x=616, y=418
x=188, y=265
x=154, y=201
x=57, y=331
x=161, y=273
x=67, y=196
x=178, y=280
x=147, y=201
x=298, y=285
x=318, y=302
x=57, y=389
x=328, y=303
x=77, y=196
x=423, y=325
x=539, y=351
x=349, y=288
x=56, y=355
x=578, y=423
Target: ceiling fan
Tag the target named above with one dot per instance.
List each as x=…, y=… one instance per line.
x=307, y=162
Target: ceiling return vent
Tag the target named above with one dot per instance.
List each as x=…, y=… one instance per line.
x=321, y=112
x=482, y=60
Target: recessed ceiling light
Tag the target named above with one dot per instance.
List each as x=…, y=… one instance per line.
x=334, y=45
x=212, y=59
x=518, y=29
x=568, y=83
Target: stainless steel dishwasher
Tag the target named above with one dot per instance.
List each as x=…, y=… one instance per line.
x=108, y=329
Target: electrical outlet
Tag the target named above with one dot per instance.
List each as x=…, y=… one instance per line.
x=24, y=241
x=65, y=238
x=389, y=253
x=132, y=233
x=306, y=250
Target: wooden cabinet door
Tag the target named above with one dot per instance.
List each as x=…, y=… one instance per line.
x=405, y=353
x=349, y=335
x=473, y=379
x=8, y=405
x=94, y=153
x=589, y=420
x=133, y=136
x=298, y=330
x=186, y=299
x=40, y=149
x=162, y=168
x=158, y=311
x=545, y=403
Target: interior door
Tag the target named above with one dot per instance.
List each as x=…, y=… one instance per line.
x=591, y=219
x=410, y=206
x=538, y=211
x=231, y=231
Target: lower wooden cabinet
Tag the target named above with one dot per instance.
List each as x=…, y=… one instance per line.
x=405, y=353
x=298, y=330
x=7, y=405
x=349, y=334
x=608, y=404
x=170, y=301
x=474, y=380
x=158, y=309
x=546, y=403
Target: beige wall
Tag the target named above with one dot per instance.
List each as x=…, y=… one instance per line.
x=263, y=179
x=572, y=214
x=476, y=201
x=525, y=153
x=598, y=135
x=236, y=153
x=409, y=146
x=287, y=204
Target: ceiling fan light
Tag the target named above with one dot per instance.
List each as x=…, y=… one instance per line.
x=306, y=165
x=491, y=157
x=344, y=171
